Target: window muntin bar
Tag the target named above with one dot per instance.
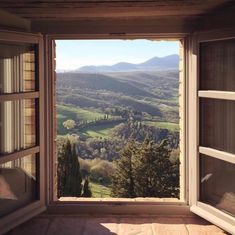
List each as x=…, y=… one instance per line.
x=19, y=96
x=224, y=95
x=228, y=157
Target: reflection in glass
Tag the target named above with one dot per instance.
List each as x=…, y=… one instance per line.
x=217, y=183
x=217, y=65
x=17, y=125
x=18, y=184
x=217, y=124
x=17, y=68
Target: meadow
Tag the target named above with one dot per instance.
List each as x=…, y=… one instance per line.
x=99, y=191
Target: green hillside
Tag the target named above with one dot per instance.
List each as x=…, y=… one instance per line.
x=164, y=125
x=154, y=93
x=98, y=131
x=65, y=112
x=99, y=191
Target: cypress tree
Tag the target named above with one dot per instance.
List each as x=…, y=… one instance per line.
x=75, y=178
x=61, y=176
x=123, y=178
x=69, y=176
x=86, y=189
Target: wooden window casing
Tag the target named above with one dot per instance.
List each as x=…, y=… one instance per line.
x=25, y=98
x=211, y=125
x=115, y=205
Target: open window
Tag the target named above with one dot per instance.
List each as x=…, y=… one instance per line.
x=144, y=97
x=209, y=139
x=212, y=129
x=21, y=128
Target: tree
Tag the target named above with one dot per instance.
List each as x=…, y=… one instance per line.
x=155, y=174
x=69, y=124
x=68, y=172
x=86, y=189
x=123, y=179
x=146, y=171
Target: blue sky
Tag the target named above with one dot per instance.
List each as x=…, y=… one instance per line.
x=73, y=54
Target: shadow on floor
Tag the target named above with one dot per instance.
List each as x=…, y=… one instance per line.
x=116, y=225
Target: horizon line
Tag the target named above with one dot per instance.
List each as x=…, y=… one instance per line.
x=88, y=65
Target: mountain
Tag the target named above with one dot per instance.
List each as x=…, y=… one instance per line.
x=155, y=63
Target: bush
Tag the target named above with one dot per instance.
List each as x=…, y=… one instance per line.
x=102, y=172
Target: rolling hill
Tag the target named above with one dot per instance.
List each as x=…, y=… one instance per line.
x=156, y=63
x=153, y=93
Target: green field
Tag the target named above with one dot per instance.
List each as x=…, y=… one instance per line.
x=164, y=125
x=68, y=112
x=65, y=112
x=99, y=191
x=99, y=131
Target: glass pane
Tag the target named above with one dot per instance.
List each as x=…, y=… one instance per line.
x=17, y=125
x=17, y=68
x=217, y=65
x=217, y=124
x=217, y=184
x=18, y=184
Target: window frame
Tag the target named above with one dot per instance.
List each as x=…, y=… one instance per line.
x=26, y=212
x=204, y=210
x=113, y=205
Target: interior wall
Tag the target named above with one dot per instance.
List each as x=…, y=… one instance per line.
x=136, y=25
x=9, y=21
x=220, y=18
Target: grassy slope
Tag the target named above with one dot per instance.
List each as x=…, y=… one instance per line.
x=99, y=191
x=76, y=112
x=68, y=112
x=99, y=131
x=65, y=112
x=164, y=125
x=143, y=91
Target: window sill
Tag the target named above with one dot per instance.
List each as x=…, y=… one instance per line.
x=120, y=200
x=116, y=206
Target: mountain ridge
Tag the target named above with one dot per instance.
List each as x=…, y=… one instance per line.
x=155, y=63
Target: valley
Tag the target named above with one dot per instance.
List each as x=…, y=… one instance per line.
x=101, y=108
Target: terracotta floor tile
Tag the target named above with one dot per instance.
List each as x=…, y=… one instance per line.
x=169, y=226
x=195, y=229
x=36, y=226
x=66, y=226
x=134, y=226
x=101, y=226
x=118, y=225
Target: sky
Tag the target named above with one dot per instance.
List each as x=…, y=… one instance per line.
x=73, y=54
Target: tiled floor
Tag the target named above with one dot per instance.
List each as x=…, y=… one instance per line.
x=117, y=225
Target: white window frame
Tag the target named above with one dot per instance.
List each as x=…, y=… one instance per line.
x=204, y=210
